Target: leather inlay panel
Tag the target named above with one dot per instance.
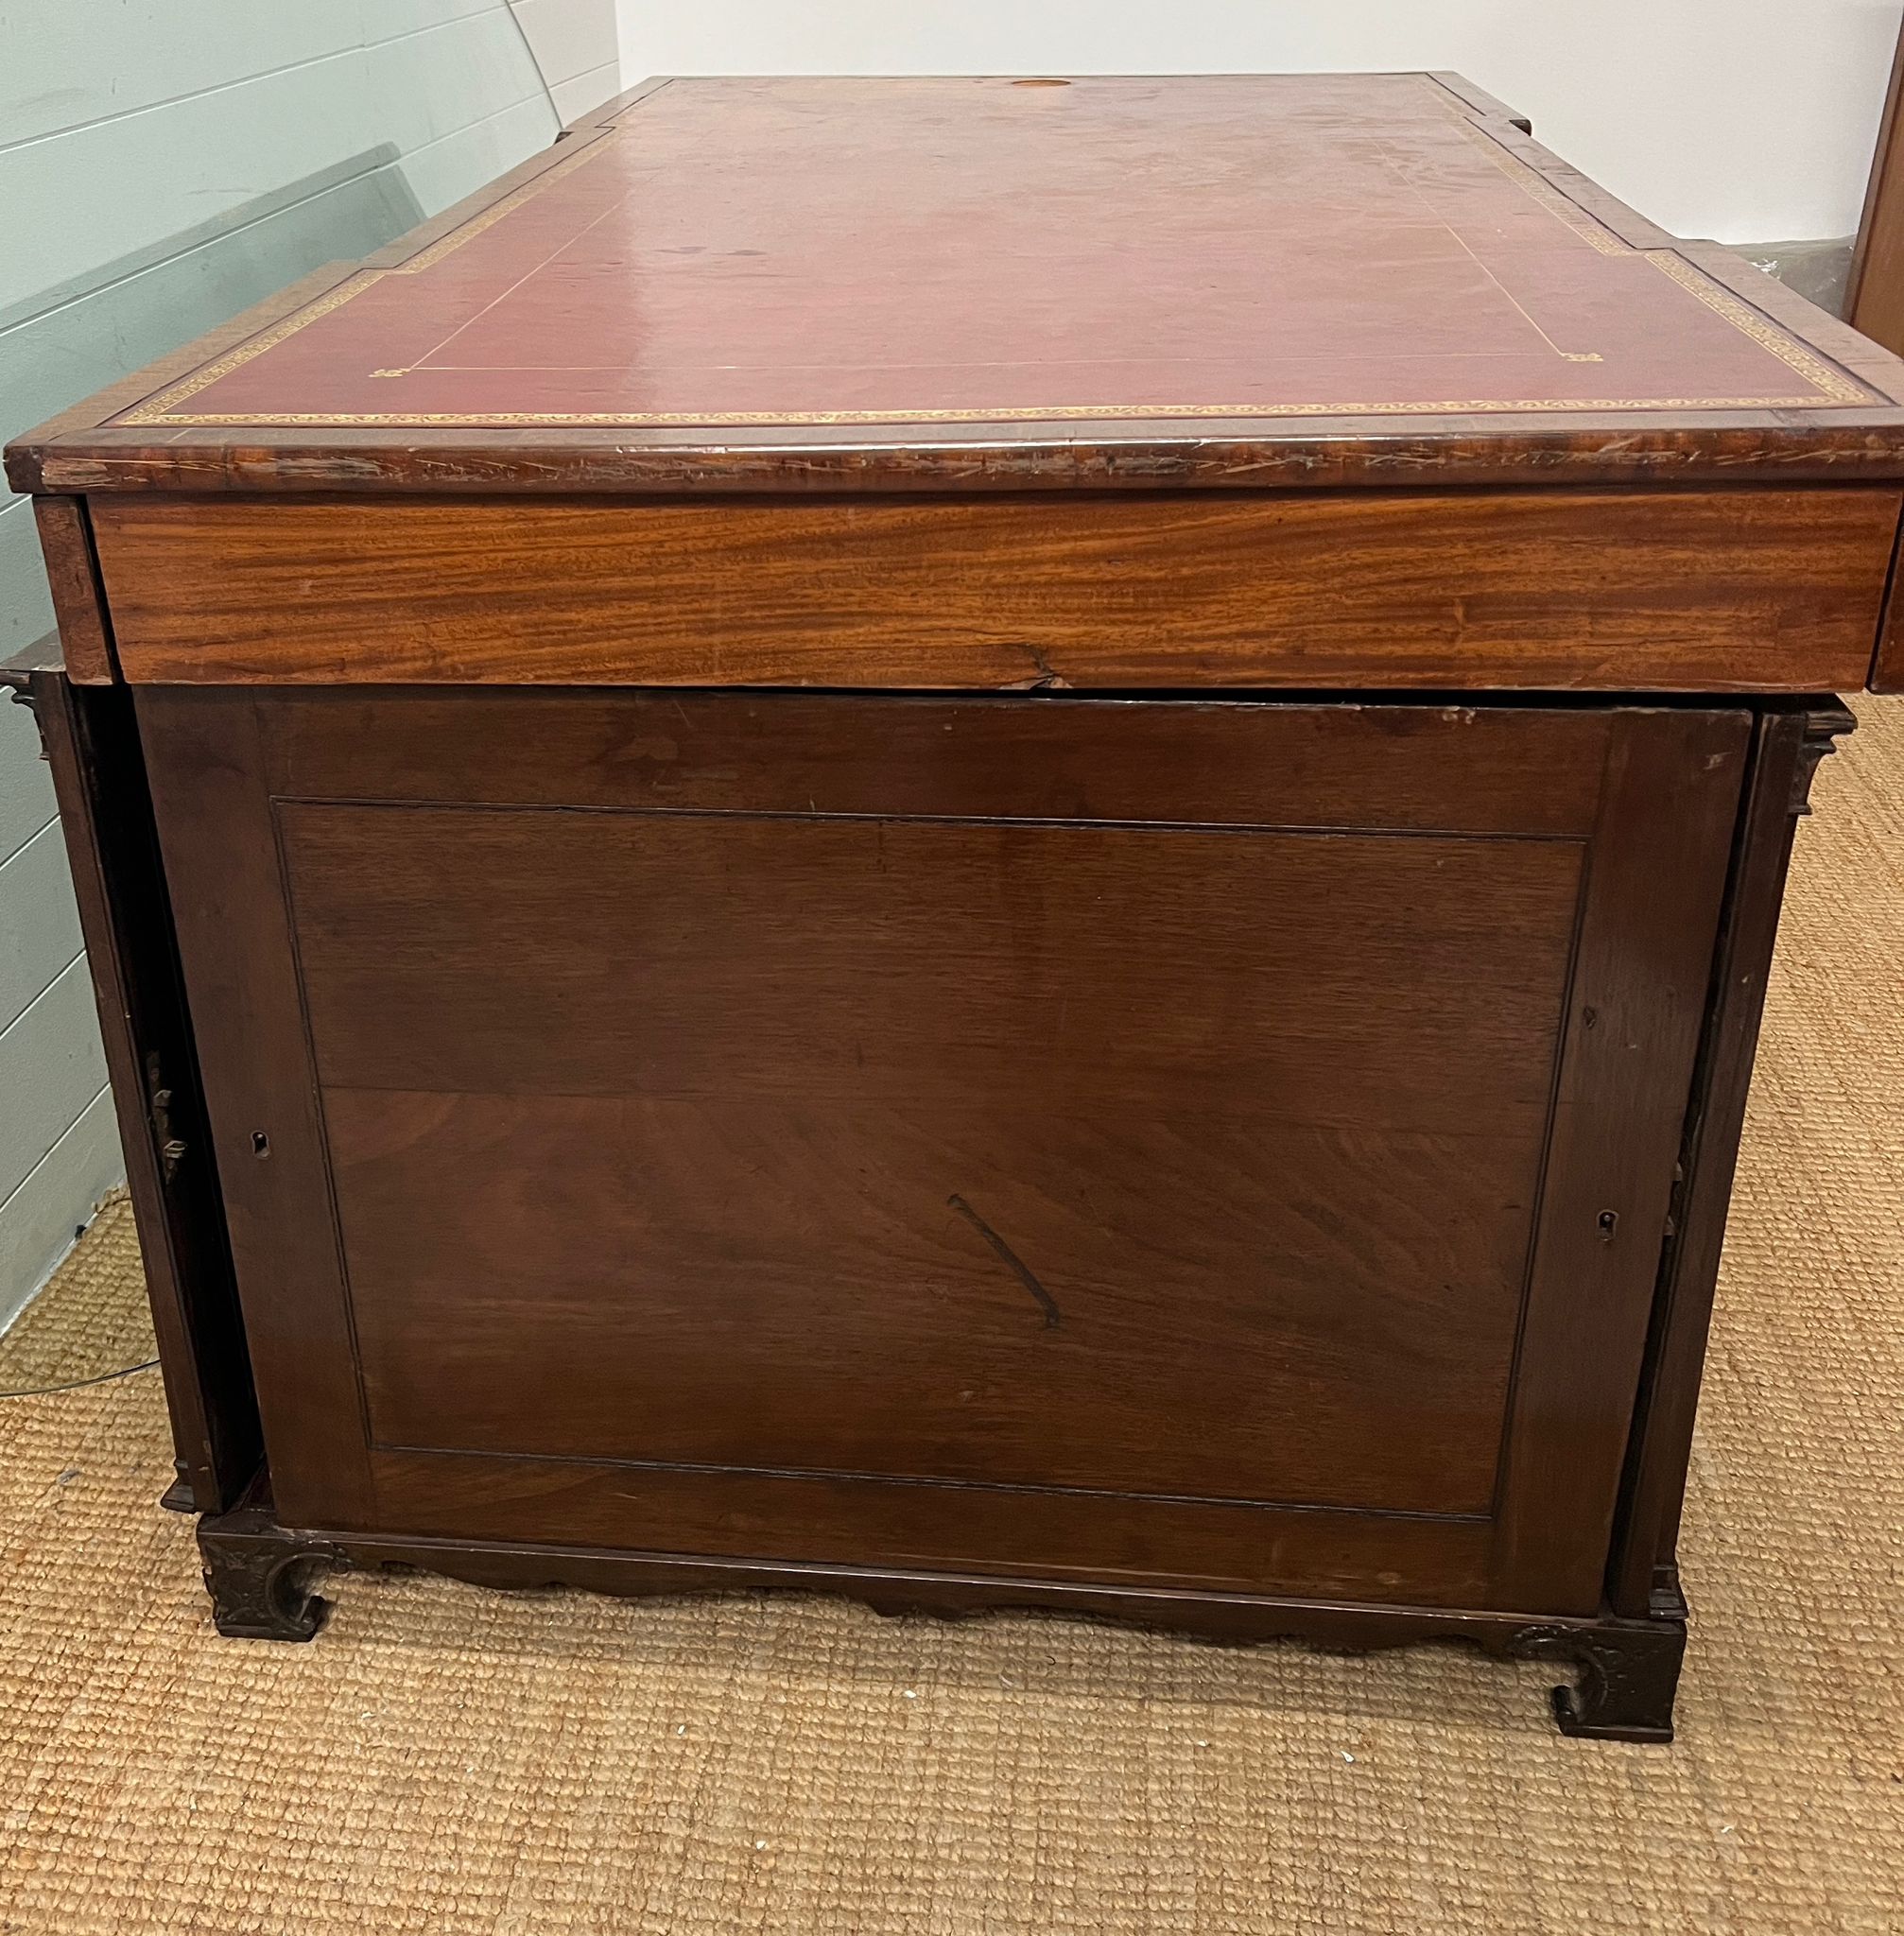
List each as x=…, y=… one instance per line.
x=957, y=249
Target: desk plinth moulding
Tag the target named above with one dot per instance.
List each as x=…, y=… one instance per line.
x=1042, y=896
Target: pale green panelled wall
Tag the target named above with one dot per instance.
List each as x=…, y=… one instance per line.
x=577, y=44
x=164, y=163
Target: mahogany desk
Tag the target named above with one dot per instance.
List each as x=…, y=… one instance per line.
x=985, y=842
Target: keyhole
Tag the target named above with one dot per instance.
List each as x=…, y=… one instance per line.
x=1608, y=1222
x=261, y=1144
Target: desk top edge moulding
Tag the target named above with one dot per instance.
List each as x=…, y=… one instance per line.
x=993, y=843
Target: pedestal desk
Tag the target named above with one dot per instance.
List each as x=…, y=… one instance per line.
x=986, y=842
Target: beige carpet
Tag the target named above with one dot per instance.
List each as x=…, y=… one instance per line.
x=94, y=1322
x=447, y=1760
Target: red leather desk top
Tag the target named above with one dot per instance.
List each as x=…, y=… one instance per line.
x=971, y=250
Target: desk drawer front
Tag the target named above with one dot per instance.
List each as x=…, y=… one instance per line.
x=1696, y=591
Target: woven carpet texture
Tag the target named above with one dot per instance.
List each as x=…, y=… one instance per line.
x=449, y=1760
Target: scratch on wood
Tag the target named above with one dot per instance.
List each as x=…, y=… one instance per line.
x=1011, y=1259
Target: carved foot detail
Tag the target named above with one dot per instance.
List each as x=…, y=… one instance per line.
x=1629, y=1675
x=260, y=1575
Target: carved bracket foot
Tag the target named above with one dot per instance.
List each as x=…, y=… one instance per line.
x=1628, y=1676
x=1825, y=725
x=260, y=1577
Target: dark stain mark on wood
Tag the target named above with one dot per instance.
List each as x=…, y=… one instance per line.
x=1011, y=1259
x=1047, y=680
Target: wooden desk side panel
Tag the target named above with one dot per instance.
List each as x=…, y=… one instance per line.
x=425, y=1372
x=1887, y=668
x=265, y=1131
x=1762, y=590
x=1790, y=740
x=72, y=578
x=98, y=772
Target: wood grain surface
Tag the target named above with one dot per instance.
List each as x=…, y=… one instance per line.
x=1054, y=1137
x=1450, y=768
x=1874, y=294
x=1887, y=667
x=220, y=856
x=1764, y=590
x=72, y=576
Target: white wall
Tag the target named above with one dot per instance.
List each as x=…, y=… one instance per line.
x=1742, y=120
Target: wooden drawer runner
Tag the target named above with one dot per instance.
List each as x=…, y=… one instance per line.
x=1758, y=590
